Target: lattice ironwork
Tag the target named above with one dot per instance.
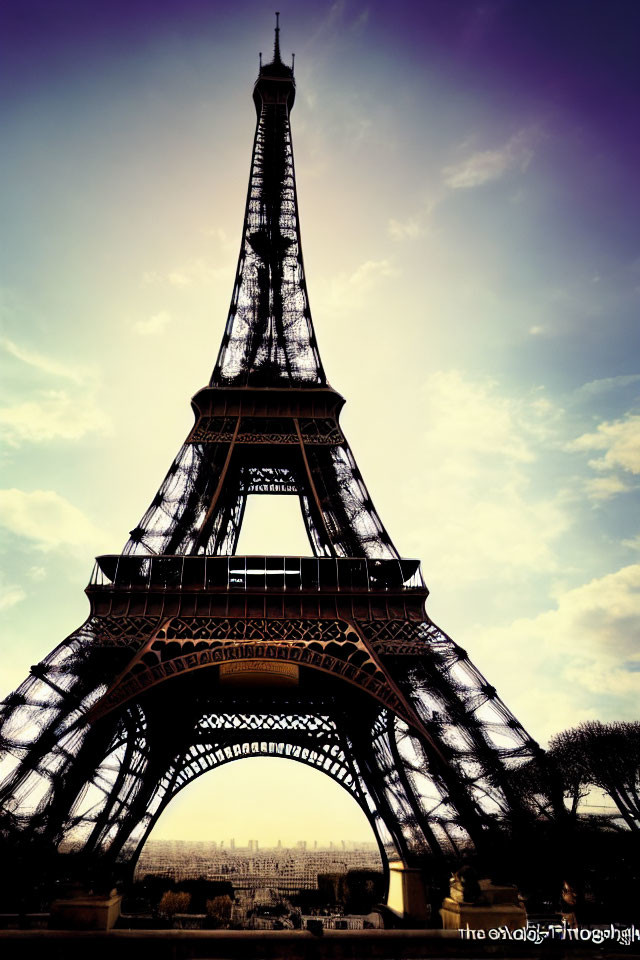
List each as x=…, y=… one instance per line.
x=183, y=645
x=132, y=707
x=269, y=337
x=271, y=430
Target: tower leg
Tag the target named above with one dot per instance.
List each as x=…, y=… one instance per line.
x=84, y=910
x=408, y=895
x=490, y=907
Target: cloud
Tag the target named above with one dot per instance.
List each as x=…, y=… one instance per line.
x=67, y=412
x=620, y=441
x=480, y=446
x=153, y=325
x=45, y=364
x=180, y=279
x=603, y=488
x=568, y=662
x=48, y=520
x=198, y=272
x=405, y=229
x=228, y=244
x=473, y=417
x=606, y=384
x=10, y=595
x=348, y=291
x=487, y=165
x=54, y=415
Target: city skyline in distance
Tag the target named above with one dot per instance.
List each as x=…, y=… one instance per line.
x=252, y=845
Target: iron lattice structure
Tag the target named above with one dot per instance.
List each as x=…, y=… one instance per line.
x=193, y=657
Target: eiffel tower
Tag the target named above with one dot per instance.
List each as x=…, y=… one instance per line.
x=193, y=656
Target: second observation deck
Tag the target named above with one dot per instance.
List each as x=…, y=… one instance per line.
x=256, y=573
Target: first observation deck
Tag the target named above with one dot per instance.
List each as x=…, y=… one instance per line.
x=257, y=586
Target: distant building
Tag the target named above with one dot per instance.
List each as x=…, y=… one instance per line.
x=279, y=869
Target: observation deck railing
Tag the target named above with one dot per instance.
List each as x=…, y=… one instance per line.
x=255, y=573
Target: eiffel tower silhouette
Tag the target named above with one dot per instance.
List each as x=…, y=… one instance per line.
x=193, y=657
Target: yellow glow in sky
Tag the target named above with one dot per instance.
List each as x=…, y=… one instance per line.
x=264, y=798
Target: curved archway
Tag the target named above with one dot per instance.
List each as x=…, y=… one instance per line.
x=282, y=797
x=221, y=740
x=275, y=800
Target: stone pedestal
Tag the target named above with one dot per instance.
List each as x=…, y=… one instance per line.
x=409, y=894
x=495, y=907
x=84, y=910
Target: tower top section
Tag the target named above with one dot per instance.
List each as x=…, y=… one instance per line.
x=275, y=83
x=269, y=339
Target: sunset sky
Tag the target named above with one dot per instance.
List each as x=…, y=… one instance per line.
x=468, y=186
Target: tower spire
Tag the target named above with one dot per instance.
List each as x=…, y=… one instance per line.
x=269, y=337
x=276, y=44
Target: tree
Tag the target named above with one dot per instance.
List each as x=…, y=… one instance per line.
x=172, y=902
x=539, y=782
x=219, y=910
x=202, y=890
x=604, y=755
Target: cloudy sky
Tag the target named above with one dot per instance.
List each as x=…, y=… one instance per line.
x=467, y=180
